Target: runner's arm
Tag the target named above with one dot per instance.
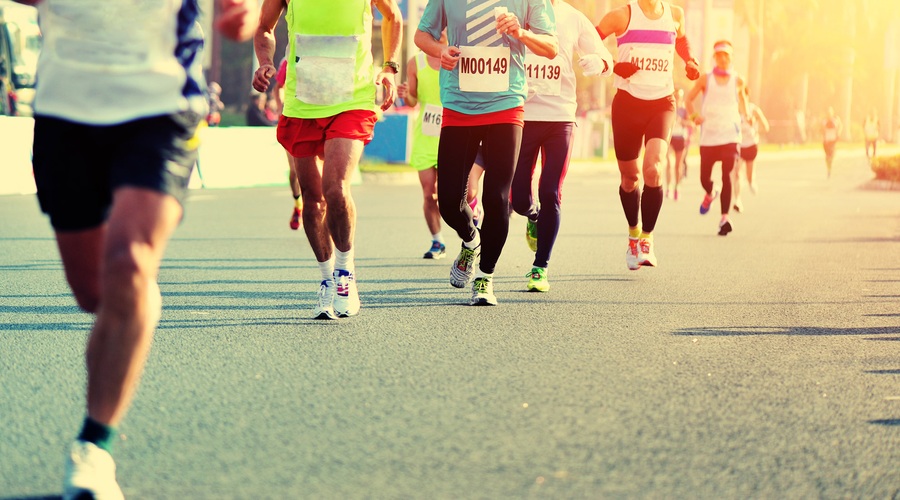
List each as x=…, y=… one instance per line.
x=264, y=43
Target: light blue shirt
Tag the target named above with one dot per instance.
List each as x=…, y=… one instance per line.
x=471, y=23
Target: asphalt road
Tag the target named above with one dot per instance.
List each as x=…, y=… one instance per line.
x=763, y=364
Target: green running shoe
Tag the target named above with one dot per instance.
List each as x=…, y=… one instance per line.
x=537, y=281
x=531, y=234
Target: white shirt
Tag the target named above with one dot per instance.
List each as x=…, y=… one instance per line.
x=551, y=83
x=108, y=62
x=721, y=114
x=650, y=45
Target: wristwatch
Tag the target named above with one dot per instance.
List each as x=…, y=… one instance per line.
x=394, y=66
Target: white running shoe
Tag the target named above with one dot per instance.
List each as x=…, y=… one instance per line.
x=483, y=292
x=464, y=266
x=346, y=299
x=90, y=473
x=632, y=257
x=325, y=306
x=648, y=257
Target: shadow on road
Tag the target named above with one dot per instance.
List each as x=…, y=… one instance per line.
x=739, y=331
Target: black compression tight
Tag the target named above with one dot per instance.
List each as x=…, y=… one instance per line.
x=456, y=154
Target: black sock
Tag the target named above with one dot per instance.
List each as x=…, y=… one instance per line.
x=651, y=203
x=631, y=204
x=97, y=433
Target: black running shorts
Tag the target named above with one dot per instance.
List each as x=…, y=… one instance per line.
x=77, y=167
x=635, y=121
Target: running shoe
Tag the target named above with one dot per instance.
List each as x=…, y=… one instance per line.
x=346, y=297
x=675, y=195
x=437, y=251
x=738, y=206
x=632, y=259
x=707, y=202
x=295, y=218
x=537, y=280
x=483, y=292
x=724, y=228
x=325, y=306
x=648, y=257
x=90, y=473
x=463, y=266
x=753, y=187
x=531, y=234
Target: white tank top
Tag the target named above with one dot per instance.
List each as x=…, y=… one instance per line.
x=721, y=115
x=108, y=62
x=749, y=133
x=650, y=45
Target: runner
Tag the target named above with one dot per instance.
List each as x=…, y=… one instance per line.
x=724, y=103
x=831, y=131
x=749, y=149
x=648, y=34
x=423, y=88
x=483, y=91
x=549, y=122
x=133, y=80
x=871, y=130
x=678, y=150
x=329, y=110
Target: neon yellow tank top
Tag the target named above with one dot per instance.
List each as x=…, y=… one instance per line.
x=330, y=66
x=428, y=89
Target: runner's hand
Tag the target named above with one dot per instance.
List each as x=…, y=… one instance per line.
x=238, y=19
x=403, y=90
x=449, y=57
x=625, y=69
x=508, y=24
x=692, y=69
x=592, y=64
x=262, y=76
x=386, y=78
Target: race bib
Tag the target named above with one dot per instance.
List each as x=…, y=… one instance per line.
x=431, y=120
x=654, y=65
x=544, y=75
x=325, y=68
x=483, y=69
x=116, y=37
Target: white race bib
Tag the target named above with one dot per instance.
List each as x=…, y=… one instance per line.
x=544, y=75
x=431, y=120
x=325, y=68
x=483, y=69
x=654, y=65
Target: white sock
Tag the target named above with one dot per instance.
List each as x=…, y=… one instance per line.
x=438, y=237
x=471, y=245
x=343, y=260
x=327, y=269
x=481, y=274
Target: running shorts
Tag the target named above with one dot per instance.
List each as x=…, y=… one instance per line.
x=77, y=167
x=635, y=121
x=304, y=137
x=748, y=153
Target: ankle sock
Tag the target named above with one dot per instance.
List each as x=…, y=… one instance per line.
x=100, y=434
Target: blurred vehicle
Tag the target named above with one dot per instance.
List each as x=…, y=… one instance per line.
x=20, y=45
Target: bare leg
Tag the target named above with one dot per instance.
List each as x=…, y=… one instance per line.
x=428, y=180
x=653, y=157
x=309, y=178
x=341, y=158
x=474, y=182
x=133, y=241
